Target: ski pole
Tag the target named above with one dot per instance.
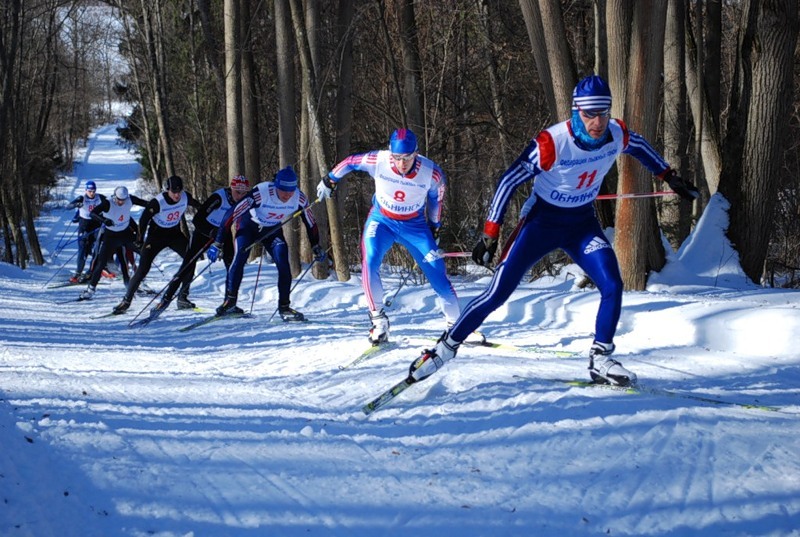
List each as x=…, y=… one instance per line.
x=59, y=269
x=388, y=302
x=292, y=289
x=255, y=287
x=657, y=194
x=61, y=244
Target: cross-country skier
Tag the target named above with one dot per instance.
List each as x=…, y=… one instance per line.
x=407, y=208
x=160, y=228
x=265, y=206
x=120, y=232
x=206, y=222
x=87, y=227
x=567, y=163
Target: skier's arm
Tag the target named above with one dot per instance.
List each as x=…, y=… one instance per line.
x=136, y=200
x=537, y=156
x=308, y=220
x=435, y=202
x=151, y=209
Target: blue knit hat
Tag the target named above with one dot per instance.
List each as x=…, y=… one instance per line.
x=286, y=179
x=591, y=93
x=90, y=185
x=402, y=142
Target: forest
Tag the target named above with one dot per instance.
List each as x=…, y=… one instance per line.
x=218, y=88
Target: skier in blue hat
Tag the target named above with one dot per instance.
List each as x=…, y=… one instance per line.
x=87, y=227
x=567, y=163
x=407, y=209
x=266, y=206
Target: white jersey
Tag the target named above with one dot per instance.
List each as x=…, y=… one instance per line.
x=120, y=214
x=268, y=209
x=398, y=196
x=169, y=215
x=216, y=216
x=88, y=206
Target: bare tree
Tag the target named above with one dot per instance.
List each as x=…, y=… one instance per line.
x=757, y=124
x=233, y=89
x=636, y=237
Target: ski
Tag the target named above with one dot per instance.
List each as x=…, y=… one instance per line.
x=155, y=314
x=214, y=318
x=524, y=348
x=65, y=284
x=371, y=352
x=105, y=315
x=386, y=397
x=639, y=389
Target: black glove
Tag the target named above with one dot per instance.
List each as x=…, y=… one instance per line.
x=319, y=253
x=108, y=222
x=484, y=251
x=680, y=186
x=137, y=246
x=435, y=232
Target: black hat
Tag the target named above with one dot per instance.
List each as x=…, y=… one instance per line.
x=174, y=184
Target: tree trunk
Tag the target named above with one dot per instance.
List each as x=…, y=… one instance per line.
x=317, y=141
x=233, y=89
x=562, y=67
x=286, y=89
x=250, y=133
x=533, y=24
x=757, y=126
x=412, y=70
x=636, y=234
x=675, y=215
x=485, y=28
x=344, y=94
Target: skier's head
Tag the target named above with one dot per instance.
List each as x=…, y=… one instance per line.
x=121, y=193
x=403, y=142
x=240, y=183
x=174, y=184
x=591, y=108
x=91, y=186
x=286, y=180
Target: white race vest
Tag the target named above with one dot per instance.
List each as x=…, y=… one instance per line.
x=120, y=214
x=215, y=218
x=169, y=215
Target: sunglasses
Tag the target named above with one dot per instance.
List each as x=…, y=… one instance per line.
x=591, y=114
x=404, y=158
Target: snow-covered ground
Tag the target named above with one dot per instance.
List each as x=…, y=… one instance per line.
x=248, y=427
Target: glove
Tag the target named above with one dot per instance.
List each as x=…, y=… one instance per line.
x=325, y=188
x=484, y=251
x=680, y=186
x=319, y=253
x=435, y=232
x=214, y=251
x=137, y=246
x=108, y=222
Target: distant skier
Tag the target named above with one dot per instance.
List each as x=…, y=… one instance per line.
x=407, y=209
x=265, y=206
x=206, y=222
x=569, y=162
x=159, y=226
x=87, y=228
x=119, y=233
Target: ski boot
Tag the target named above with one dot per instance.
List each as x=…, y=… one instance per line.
x=185, y=304
x=290, y=315
x=379, y=333
x=605, y=370
x=87, y=294
x=229, y=307
x=432, y=360
x=122, y=307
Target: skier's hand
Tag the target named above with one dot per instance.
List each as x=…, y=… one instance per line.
x=680, y=186
x=108, y=222
x=214, y=251
x=484, y=251
x=319, y=253
x=325, y=188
